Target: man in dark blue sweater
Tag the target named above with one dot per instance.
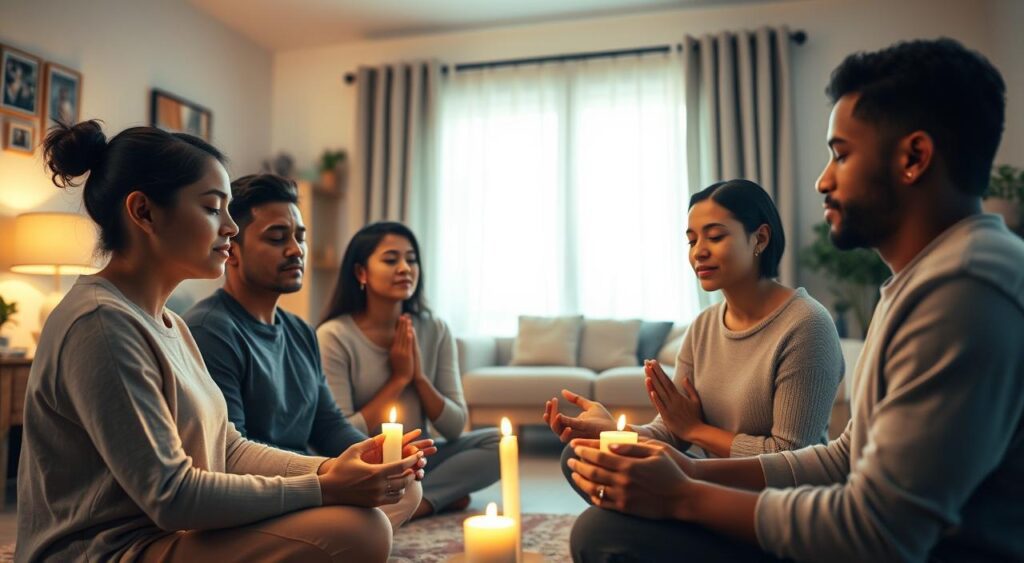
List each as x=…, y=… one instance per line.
x=265, y=360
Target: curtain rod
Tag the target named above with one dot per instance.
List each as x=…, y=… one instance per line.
x=798, y=37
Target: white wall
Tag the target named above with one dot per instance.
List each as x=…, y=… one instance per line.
x=1006, y=19
x=123, y=48
x=314, y=109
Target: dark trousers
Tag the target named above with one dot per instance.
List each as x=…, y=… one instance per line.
x=607, y=536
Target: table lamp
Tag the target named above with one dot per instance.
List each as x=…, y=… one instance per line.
x=57, y=244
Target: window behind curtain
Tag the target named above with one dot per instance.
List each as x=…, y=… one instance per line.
x=561, y=191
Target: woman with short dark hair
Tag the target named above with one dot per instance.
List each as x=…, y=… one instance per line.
x=757, y=372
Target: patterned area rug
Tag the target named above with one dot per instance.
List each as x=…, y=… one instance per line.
x=433, y=540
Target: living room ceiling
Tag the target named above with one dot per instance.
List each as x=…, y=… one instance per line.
x=294, y=24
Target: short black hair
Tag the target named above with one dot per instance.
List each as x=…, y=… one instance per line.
x=753, y=207
x=937, y=86
x=255, y=190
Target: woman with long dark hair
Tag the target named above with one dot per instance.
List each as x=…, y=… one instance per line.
x=128, y=453
x=381, y=348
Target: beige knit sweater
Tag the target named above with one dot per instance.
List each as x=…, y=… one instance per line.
x=772, y=384
x=126, y=437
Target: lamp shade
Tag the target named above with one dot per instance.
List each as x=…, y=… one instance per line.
x=52, y=243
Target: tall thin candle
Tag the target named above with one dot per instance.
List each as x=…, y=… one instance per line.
x=509, y=454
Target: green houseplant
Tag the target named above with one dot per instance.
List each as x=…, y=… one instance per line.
x=7, y=310
x=331, y=162
x=855, y=274
x=1005, y=195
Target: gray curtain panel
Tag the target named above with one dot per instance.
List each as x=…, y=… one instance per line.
x=396, y=113
x=739, y=107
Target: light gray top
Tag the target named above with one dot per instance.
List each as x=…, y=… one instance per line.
x=356, y=369
x=127, y=437
x=932, y=460
x=772, y=384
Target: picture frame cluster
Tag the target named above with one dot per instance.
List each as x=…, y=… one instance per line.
x=34, y=95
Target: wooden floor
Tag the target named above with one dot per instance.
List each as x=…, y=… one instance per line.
x=544, y=489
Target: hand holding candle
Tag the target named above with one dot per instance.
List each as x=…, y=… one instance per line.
x=620, y=436
x=392, y=438
x=490, y=538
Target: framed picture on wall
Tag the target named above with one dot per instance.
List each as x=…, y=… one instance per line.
x=62, y=95
x=19, y=83
x=176, y=114
x=19, y=137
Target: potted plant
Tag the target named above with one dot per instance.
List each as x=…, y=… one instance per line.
x=856, y=276
x=1005, y=194
x=7, y=310
x=331, y=163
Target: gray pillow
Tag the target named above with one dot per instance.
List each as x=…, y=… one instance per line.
x=547, y=341
x=652, y=338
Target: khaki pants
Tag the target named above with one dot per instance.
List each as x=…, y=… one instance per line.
x=324, y=534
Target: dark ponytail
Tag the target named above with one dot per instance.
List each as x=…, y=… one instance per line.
x=145, y=159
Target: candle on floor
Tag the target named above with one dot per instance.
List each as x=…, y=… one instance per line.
x=392, y=438
x=509, y=454
x=490, y=538
x=620, y=436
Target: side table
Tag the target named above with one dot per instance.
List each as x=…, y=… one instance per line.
x=13, y=384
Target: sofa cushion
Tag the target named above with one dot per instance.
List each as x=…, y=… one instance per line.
x=524, y=386
x=547, y=341
x=652, y=338
x=673, y=342
x=607, y=343
x=623, y=387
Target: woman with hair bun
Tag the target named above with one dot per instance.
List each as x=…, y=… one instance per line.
x=128, y=454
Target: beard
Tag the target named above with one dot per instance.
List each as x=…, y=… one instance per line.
x=868, y=222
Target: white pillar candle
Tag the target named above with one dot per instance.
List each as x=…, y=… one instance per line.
x=509, y=454
x=609, y=437
x=392, y=438
x=490, y=538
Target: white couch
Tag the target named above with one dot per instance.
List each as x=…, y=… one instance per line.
x=494, y=389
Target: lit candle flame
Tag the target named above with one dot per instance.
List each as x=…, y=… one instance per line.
x=506, y=426
x=622, y=422
x=492, y=510
x=394, y=414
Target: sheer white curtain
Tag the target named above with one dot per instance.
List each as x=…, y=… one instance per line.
x=562, y=190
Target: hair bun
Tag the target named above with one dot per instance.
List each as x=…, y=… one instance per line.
x=71, y=151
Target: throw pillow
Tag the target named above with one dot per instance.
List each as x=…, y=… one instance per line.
x=608, y=344
x=652, y=338
x=547, y=341
x=673, y=342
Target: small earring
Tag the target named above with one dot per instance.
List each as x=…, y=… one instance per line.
x=910, y=175
x=362, y=287
x=757, y=252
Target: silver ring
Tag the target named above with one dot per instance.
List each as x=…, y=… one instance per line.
x=600, y=493
x=388, y=491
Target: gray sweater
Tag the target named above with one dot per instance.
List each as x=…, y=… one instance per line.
x=772, y=384
x=356, y=369
x=932, y=462
x=127, y=438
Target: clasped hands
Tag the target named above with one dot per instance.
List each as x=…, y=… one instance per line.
x=358, y=478
x=404, y=354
